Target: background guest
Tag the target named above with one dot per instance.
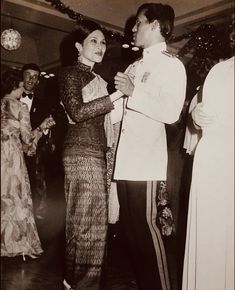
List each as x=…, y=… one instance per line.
x=18, y=229
x=42, y=103
x=209, y=252
x=38, y=111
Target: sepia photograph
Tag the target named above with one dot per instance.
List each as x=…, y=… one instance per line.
x=117, y=144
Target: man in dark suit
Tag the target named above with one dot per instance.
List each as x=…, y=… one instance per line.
x=44, y=168
x=38, y=112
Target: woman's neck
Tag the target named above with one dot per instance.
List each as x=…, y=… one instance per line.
x=86, y=62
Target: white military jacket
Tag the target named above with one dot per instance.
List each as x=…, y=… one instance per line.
x=158, y=97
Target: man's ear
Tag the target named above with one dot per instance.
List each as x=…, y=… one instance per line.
x=155, y=25
x=78, y=47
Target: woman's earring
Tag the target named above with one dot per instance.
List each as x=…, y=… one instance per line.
x=79, y=57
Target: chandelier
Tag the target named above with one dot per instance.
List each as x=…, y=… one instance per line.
x=10, y=39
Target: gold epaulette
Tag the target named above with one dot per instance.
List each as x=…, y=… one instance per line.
x=169, y=54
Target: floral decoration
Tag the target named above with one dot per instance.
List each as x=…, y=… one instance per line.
x=165, y=219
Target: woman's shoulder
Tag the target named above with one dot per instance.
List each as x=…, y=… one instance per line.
x=13, y=106
x=70, y=72
x=11, y=102
x=75, y=73
x=67, y=71
x=222, y=67
x=67, y=68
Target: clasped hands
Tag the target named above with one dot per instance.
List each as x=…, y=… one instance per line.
x=124, y=83
x=47, y=123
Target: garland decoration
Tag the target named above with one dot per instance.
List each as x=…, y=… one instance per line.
x=208, y=44
x=79, y=18
x=205, y=41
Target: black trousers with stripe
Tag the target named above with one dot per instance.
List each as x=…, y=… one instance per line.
x=138, y=218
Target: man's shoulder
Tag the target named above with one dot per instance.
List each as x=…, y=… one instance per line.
x=172, y=59
x=38, y=98
x=136, y=62
x=40, y=104
x=169, y=54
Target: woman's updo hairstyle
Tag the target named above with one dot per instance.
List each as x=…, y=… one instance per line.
x=10, y=81
x=85, y=28
x=68, y=51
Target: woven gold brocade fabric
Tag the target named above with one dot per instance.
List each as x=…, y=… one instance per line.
x=83, y=96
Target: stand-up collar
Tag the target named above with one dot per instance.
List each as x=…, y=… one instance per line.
x=154, y=49
x=83, y=66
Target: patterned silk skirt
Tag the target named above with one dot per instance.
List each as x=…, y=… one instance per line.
x=86, y=219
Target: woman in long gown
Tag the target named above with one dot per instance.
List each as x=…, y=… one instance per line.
x=87, y=104
x=209, y=253
x=19, y=234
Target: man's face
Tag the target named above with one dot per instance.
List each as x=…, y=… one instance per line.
x=141, y=31
x=30, y=79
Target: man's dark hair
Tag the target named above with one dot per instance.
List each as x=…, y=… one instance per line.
x=10, y=81
x=32, y=66
x=164, y=14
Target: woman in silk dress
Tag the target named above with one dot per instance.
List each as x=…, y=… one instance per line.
x=209, y=252
x=19, y=234
x=90, y=134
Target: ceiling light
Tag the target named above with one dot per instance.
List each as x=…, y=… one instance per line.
x=135, y=48
x=10, y=39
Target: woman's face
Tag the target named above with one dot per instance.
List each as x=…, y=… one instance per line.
x=16, y=93
x=93, y=48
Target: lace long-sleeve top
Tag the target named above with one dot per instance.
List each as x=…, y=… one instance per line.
x=86, y=102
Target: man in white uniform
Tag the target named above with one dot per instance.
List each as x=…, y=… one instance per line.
x=155, y=88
